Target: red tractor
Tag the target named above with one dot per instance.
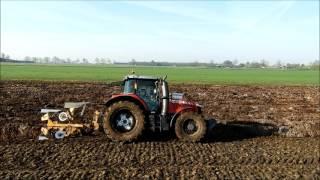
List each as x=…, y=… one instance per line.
x=145, y=103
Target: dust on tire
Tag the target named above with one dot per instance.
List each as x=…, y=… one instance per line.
x=200, y=125
x=135, y=132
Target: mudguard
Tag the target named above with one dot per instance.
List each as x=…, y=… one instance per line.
x=128, y=97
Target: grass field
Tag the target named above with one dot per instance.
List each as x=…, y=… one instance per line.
x=175, y=74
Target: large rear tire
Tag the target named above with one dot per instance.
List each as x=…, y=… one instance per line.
x=123, y=121
x=190, y=127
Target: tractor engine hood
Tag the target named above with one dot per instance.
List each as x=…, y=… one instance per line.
x=179, y=102
x=181, y=97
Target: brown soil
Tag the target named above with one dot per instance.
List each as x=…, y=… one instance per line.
x=295, y=110
x=99, y=158
x=241, y=146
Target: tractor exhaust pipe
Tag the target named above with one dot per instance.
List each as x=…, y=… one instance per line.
x=165, y=98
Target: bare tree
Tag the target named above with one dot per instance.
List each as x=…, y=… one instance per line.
x=46, y=60
x=133, y=62
x=228, y=63
x=103, y=61
x=315, y=64
x=97, y=61
x=55, y=59
x=242, y=65
x=34, y=59
x=153, y=62
x=77, y=61
x=85, y=61
x=264, y=63
x=68, y=61
x=27, y=58
x=279, y=64
x=234, y=62
x=40, y=60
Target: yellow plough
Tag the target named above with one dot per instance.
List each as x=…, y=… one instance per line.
x=66, y=122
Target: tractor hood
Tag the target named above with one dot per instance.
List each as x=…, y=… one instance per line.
x=179, y=102
x=182, y=98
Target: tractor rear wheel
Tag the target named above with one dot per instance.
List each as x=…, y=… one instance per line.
x=190, y=127
x=123, y=121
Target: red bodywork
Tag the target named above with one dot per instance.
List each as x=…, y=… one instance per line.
x=130, y=96
x=174, y=107
x=177, y=106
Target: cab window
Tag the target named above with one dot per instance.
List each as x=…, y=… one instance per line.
x=129, y=86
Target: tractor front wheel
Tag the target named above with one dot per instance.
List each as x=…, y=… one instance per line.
x=190, y=127
x=123, y=121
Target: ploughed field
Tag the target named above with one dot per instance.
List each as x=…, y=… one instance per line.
x=99, y=158
x=261, y=132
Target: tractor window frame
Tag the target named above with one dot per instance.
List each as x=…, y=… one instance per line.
x=126, y=86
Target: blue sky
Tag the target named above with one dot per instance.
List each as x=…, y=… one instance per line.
x=174, y=31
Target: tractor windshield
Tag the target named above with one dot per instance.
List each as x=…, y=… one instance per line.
x=129, y=86
x=145, y=89
x=140, y=87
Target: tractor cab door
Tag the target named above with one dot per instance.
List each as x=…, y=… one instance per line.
x=145, y=89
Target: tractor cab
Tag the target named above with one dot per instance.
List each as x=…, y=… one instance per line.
x=145, y=103
x=145, y=87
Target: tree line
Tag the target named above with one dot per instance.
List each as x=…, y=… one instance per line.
x=57, y=60
x=229, y=64
x=225, y=64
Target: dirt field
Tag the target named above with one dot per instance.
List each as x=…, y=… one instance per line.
x=244, y=144
x=295, y=110
x=98, y=158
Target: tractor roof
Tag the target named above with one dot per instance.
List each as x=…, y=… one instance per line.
x=140, y=77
